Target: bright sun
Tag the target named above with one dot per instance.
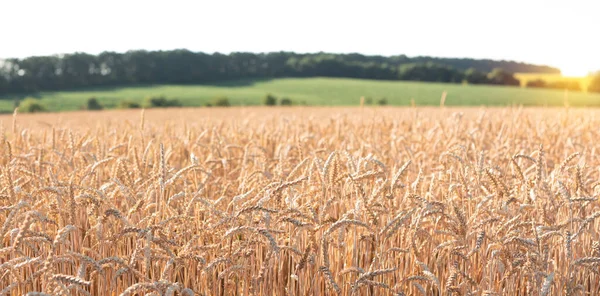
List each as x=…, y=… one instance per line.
x=575, y=71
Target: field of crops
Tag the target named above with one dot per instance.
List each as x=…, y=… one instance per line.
x=317, y=92
x=301, y=201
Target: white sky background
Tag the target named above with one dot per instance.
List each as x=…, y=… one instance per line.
x=557, y=33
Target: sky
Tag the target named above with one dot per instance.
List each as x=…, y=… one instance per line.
x=555, y=33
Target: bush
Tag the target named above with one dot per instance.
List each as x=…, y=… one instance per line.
x=221, y=102
x=270, y=100
x=129, y=105
x=93, y=104
x=31, y=105
x=382, y=102
x=286, y=102
x=536, y=83
x=161, y=102
x=368, y=101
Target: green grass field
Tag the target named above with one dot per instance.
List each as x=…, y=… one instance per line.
x=316, y=91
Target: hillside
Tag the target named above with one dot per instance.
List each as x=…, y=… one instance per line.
x=79, y=70
x=315, y=92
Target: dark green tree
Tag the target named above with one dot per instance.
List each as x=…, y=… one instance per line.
x=161, y=102
x=430, y=72
x=93, y=104
x=270, y=100
x=502, y=77
x=31, y=105
x=473, y=76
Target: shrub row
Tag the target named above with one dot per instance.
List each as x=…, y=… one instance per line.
x=32, y=105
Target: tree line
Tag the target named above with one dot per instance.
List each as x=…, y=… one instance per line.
x=78, y=70
x=559, y=84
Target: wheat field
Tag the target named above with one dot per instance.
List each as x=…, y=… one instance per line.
x=301, y=201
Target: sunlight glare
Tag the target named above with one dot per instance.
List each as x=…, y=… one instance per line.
x=574, y=70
